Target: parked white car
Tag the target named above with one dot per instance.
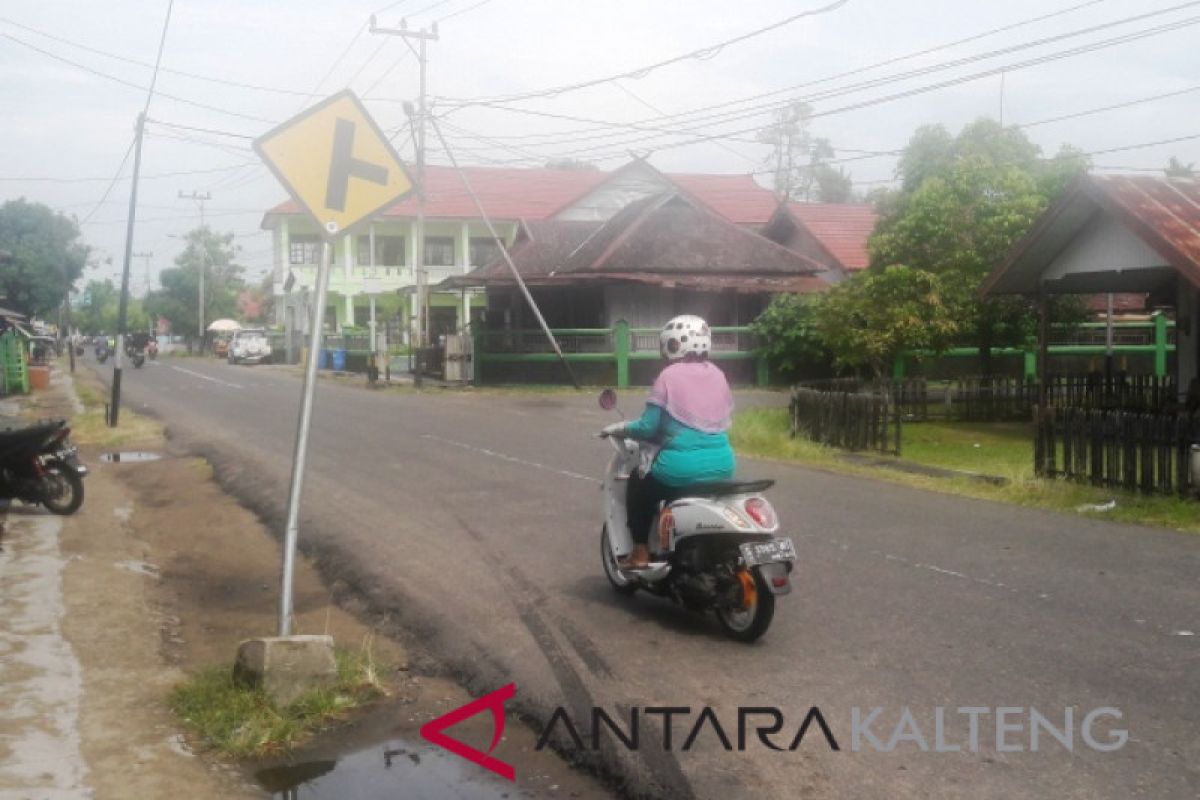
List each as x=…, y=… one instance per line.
x=249, y=346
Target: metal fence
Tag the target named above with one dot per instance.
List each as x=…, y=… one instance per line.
x=1118, y=449
x=849, y=420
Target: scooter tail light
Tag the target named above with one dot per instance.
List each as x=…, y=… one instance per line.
x=666, y=524
x=761, y=512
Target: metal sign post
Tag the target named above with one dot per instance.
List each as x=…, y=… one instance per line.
x=338, y=164
x=300, y=455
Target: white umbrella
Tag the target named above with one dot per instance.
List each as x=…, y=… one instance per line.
x=224, y=325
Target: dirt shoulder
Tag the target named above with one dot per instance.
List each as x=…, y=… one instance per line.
x=165, y=574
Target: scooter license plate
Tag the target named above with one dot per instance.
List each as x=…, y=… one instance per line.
x=770, y=552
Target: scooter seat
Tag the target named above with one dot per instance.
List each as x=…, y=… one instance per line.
x=725, y=488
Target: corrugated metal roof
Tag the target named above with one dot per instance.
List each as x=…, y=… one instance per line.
x=841, y=228
x=1163, y=212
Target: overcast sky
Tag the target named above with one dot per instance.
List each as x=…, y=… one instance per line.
x=69, y=127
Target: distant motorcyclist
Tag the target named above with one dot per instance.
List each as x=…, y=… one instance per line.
x=688, y=414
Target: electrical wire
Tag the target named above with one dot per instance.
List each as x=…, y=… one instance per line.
x=115, y=178
x=641, y=72
x=766, y=108
x=461, y=11
x=137, y=62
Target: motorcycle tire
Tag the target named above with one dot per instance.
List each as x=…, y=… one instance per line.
x=746, y=625
x=138, y=360
x=619, y=582
x=102, y=359
x=70, y=497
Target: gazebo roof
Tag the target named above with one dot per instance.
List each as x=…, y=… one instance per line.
x=1163, y=214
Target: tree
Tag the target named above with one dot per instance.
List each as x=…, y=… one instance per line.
x=788, y=339
x=1178, y=169
x=98, y=307
x=790, y=141
x=830, y=184
x=963, y=204
x=870, y=319
x=178, y=299
x=45, y=256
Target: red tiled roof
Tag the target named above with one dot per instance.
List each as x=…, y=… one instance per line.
x=737, y=198
x=505, y=193
x=841, y=228
x=532, y=194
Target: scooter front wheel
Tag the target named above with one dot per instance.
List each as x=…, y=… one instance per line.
x=752, y=619
x=619, y=582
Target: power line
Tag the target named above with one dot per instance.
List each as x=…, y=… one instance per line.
x=1087, y=48
x=148, y=65
x=130, y=84
x=52, y=179
x=116, y=177
x=760, y=109
x=462, y=11
x=641, y=72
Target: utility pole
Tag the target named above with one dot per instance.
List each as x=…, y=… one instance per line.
x=123, y=309
x=200, y=198
x=146, y=255
x=417, y=118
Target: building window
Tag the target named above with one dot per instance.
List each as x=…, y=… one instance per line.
x=305, y=248
x=389, y=251
x=484, y=251
x=439, y=251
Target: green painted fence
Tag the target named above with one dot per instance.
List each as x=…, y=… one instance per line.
x=618, y=346
x=1158, y=337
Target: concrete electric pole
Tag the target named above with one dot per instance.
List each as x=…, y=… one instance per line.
x=418, y=119
x=200, y=198
x=146, y=255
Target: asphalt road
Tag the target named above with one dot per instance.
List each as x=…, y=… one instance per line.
x=476, y=517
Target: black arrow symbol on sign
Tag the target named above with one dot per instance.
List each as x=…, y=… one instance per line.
x=343, y=166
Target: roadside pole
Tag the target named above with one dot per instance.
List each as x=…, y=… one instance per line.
x=300, y=454
x=200, y=198
x=114, y=412
x=417, y=118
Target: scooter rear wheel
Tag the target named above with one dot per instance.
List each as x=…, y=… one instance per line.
x=619, y=582
x=748, y=623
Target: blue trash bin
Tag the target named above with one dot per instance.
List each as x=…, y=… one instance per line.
x=326, y=358
x=339, y=360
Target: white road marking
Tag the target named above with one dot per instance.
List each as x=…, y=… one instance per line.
x=512, y=459
x=207, y=377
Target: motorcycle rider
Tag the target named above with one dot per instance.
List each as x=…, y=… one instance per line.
x=688, y=415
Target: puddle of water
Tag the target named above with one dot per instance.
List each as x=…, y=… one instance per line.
x=130, y=456
x=384, y=771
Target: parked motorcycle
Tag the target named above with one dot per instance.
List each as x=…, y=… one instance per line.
x=714, y=548
x=39, y=465
x=102, y=352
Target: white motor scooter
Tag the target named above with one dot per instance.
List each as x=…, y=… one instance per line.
x=713, y=548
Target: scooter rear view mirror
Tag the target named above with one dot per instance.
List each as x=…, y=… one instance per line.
x=608, y=399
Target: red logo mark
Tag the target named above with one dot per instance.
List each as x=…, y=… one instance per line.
x=432, y=731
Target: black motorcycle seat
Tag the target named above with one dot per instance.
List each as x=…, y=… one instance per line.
x=724, y=488
x=9, y=435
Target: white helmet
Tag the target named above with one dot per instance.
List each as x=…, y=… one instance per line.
x=685, y=334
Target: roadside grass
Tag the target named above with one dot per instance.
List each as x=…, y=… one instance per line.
x=1004, y=450
x=242, y=722
x=90, y=428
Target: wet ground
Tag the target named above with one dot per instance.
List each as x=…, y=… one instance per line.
x=382, y=756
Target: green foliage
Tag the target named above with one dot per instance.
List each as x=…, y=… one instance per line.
x=178, y=299
x=99, y=306
x=965, y=202
x=874, y=316
x=241, y=721
x=788, y=339
x=42, y=257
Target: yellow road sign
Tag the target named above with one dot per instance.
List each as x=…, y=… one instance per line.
x=336, y=162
